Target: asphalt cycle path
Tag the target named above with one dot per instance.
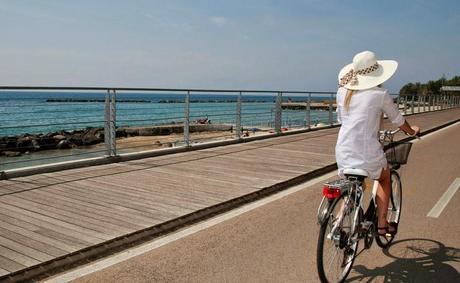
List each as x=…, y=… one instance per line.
x=274, y=239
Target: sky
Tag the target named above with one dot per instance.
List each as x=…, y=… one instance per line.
x=221, y=44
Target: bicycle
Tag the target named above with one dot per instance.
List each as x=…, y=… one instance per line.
x=343, y=222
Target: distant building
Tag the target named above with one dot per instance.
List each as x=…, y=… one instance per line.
x=450, y=88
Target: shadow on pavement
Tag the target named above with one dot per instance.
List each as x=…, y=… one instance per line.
x=415, y=260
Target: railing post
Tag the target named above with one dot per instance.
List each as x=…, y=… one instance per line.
x=278, y=115
x=424, y=103
x=308, y=112
x=405, y=105
x=187, y=119
x=330, y=109
x=113, y=124
x=418, y=103
x=238, y=117
x=107, y=140
x=412, y=105
x=110, y=123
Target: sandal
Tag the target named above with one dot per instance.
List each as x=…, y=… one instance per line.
x=391, y=229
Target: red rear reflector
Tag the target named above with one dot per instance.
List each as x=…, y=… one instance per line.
x=331, y=193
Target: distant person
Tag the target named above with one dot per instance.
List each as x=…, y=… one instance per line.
x=361, y=101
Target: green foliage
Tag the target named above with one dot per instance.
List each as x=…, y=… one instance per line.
x=429, y=88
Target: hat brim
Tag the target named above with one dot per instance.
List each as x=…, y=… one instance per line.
x=386, y=69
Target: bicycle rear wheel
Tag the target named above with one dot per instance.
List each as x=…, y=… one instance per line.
x=394, y=209
x=336, y=249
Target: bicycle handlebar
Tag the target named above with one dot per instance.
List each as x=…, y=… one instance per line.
x=384, y=134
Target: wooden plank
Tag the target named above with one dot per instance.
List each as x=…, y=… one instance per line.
x=84, y=235
x=200, y=170
x=100, y=209
x=16, y=227
x=10, y=265
x=153, y=180
x=25, y=250
x=3, y=271
x=82, y=210
x=241, y=169
x=137, y=205
x=17, y=257
x=33, y=243
x=162, y=196
x=190, y=188
x=69, y=217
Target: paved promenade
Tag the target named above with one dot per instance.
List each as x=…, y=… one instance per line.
x=58, y=218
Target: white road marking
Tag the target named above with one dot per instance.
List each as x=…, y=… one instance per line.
x=444, y=200
x=149, y=246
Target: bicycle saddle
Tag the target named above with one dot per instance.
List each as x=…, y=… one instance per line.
x=355, y=172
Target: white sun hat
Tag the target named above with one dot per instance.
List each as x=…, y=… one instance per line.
x=366, y=71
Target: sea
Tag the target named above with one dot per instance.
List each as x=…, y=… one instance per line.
x=42, y=112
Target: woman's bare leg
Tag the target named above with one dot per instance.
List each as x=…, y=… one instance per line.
x=383, y=197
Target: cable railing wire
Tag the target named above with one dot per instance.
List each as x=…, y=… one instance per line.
x=55, y=157
x=48, y=125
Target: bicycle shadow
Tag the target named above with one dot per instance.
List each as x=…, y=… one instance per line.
x=416, y=260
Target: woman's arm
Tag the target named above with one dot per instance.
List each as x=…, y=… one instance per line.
x=395, y=116
x=410, y=130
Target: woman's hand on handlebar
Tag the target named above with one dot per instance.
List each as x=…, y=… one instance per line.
x=416, y=130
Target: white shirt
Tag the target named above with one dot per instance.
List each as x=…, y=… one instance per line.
x=357, y=145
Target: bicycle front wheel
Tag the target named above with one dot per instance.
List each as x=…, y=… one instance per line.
x=394, y=209
x=337, y=246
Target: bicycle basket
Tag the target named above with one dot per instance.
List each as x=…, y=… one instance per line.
x=399, y=153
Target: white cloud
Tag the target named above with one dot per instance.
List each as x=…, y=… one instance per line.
x=218, y=20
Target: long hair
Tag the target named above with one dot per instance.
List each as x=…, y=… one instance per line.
x=350, y=93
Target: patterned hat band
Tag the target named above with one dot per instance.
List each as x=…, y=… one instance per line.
x=352, y=75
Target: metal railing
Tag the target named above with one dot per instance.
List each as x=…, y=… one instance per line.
x=42, y=125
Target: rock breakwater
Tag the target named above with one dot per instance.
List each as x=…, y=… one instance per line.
x=23, y=144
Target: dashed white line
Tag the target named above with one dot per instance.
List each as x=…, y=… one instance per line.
x=444, y=200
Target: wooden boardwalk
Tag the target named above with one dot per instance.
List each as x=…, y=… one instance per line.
x=48, y=216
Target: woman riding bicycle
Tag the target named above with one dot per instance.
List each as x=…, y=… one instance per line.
x=360, y=104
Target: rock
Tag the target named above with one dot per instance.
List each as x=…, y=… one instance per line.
x=121, y=133
x=35, y=144
x=93, y=136
x=63, y=144
x=47, y=142
x=24, y=144
x=11, y=153
x=146, y=131
x=165, y=131
x=59, y=137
